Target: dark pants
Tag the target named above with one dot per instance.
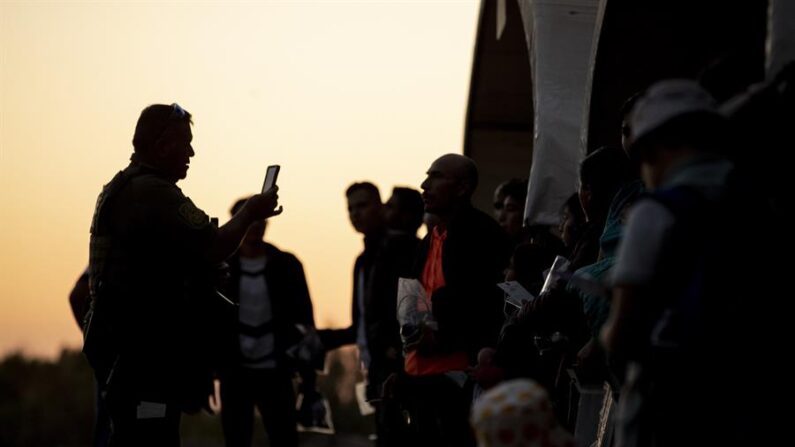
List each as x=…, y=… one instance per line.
x=438, y=410
x=101, y=419
x=134, y=422
x=390, y=424
x=271, y=392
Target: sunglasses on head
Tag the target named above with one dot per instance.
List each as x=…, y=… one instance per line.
x=177, y=114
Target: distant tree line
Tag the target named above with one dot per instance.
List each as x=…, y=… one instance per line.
x=50, y=403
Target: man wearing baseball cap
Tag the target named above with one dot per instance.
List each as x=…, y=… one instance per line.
x=683, y=287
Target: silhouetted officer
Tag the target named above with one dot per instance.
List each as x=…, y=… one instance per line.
x=152, y=259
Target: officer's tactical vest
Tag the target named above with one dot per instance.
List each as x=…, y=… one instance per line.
x=99, y=340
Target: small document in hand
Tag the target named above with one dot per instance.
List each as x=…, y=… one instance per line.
x=515, y=294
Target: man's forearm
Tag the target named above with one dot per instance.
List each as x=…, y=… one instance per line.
x=229, y=236
x=258, y=206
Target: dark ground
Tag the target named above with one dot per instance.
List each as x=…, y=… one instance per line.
x=51, y=404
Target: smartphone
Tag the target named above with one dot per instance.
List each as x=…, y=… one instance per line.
x=270, y=177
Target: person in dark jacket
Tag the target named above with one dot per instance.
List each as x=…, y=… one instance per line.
x=390, y=240
x=270, y=288
x=373, y=322
x=458, y=265
x=365, y=211
x=403, y=214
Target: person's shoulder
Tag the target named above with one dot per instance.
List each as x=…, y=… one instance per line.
x=627, y=194
x=154, y=187
x=649, y=205
x=141, y=176
x=400, y=240
x=649, y=215
x=486, y=227
x=276, y=253
x=476, y=218
x=273, y=251
x=399, y=245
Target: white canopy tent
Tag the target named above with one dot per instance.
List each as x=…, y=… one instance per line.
x=549, y=77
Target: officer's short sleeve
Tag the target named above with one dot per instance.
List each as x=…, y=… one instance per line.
x=648, y=228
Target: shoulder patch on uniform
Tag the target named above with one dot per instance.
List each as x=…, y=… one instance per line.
x=194, y=217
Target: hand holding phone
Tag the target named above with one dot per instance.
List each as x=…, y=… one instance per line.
x=270, y=177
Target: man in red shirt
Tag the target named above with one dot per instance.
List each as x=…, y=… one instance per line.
x=459, y=264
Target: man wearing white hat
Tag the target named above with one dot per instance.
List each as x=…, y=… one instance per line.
x=683, y=288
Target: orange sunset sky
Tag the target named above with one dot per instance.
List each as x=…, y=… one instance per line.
x=333, y=91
